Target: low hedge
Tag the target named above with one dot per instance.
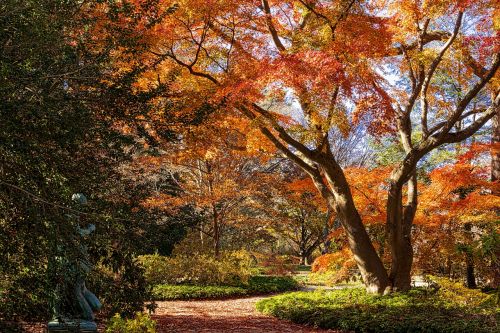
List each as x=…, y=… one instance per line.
x=256, y=285
x=419, y=310
x=167, y=292
x=262, y=284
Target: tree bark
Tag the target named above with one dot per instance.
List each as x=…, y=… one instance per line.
x=471, y=277
x=369, y=263
x=495, y=177
x=469, y=258
x=399, y=223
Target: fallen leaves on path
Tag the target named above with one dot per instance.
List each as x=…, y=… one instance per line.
x=211, y=316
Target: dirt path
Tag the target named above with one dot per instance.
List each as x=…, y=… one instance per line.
x=210, y=316
x=235, y=316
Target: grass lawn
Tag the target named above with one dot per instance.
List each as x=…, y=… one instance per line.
x=420, y=310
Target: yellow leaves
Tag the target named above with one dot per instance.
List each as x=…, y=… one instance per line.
x=496, y=18
x=426, y=56
x=436, y=8
x=162, y=201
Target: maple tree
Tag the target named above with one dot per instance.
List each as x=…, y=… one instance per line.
x=301, y=70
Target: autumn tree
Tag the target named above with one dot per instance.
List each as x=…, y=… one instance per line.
x=300, y=217
x=456, y=219
x=302, y=70
x=217, y=172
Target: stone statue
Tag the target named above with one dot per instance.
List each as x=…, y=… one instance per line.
x=73, y=304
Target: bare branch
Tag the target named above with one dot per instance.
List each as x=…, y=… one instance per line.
x=172, y=56
x=283, y=134
x=475, y=126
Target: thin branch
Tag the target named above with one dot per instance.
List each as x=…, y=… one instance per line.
x=172, y=56
x=270, y=25
x=423, y=95
x=40, y=199
x=464, y=102
x=283, y=134
x=288, y=153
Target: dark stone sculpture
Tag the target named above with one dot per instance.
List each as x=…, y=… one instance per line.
x=73, y=304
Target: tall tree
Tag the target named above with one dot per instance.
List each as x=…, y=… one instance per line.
x=302, y=70
x=300, y=216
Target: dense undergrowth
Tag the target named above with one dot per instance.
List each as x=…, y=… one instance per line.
x=449, y=308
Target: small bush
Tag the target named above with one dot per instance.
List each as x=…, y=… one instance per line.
x=419, y=310
x=333, y=268
x=232, y=269
x=24, y=295
x=123, y=291
x=277, y=265
x=141, y=323
x=450, y=290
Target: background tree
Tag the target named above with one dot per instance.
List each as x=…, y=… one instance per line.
x=301, y=218
x=217, y=173
x=62, y=117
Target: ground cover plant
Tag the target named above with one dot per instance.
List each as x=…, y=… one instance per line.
x=447, y=308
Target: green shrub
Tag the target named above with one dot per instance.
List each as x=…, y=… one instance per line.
x=176, y=292
x=232, y=269
x=450, y=290
x=123, y=291
x=256, y=285
x=419, y=310
x=24, y=295
x=261, y=284
x=141, y=323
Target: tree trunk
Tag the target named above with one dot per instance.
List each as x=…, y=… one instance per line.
x=495, y=177
x=399, y=222
x=495, y=152
x=471, y=277
x=370, y=266
x=338, y=196
x=305, y=259
x=469, y=258
x=216, y=231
